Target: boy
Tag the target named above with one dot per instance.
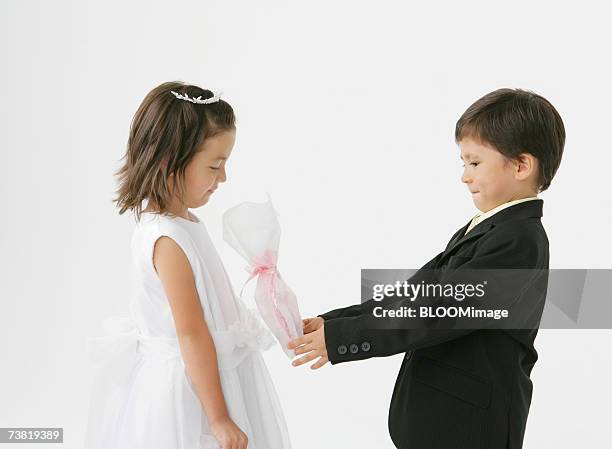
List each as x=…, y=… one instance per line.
x=467, y=389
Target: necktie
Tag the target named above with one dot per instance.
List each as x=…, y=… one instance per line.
x=474, y=222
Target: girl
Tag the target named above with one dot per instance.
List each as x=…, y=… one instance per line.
x=185, y=371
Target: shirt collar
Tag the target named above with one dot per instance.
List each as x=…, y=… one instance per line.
x=484, y=215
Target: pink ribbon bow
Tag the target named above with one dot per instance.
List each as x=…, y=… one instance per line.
x=269, y=278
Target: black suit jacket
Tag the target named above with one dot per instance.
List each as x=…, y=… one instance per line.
x=458, y=389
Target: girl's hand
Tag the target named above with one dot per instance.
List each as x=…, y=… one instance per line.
x=312, y=324
x=228, y=434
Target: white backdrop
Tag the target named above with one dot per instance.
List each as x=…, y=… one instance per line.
x=346, y=112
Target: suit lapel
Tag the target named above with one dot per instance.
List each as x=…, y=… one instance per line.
x=455, y=238
x=527, y=209
x=478, y=230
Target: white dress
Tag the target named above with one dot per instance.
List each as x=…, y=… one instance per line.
x=142, y=395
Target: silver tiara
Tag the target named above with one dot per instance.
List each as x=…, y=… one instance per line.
x=213, y=99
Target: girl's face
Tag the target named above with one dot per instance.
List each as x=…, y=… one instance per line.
x=206, y=170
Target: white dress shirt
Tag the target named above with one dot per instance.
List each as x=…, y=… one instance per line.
x=483, y=216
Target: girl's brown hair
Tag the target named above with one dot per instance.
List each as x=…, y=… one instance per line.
x=165, y=134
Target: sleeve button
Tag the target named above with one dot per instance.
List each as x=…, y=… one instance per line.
x=365, y=346
x=342, y=349
x=354, y=348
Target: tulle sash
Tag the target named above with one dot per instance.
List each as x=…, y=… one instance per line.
x=123, y=340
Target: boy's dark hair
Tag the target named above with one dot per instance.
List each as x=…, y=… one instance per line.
x=165, y=134
x=517, y=121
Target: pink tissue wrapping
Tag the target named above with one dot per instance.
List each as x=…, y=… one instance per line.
x=253, y=230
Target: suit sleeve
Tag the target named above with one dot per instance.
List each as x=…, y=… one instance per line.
x=506, y=248
x=357, y=309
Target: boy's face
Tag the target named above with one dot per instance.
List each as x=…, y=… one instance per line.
x=491, y=178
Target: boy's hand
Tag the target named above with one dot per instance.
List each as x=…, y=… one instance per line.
x=311, y=344
x=312, y=324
